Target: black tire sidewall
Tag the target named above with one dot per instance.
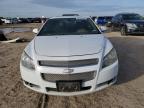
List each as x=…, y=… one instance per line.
x=124, y=31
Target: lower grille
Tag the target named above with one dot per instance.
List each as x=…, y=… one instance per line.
x=48, y=89
x=86, y=76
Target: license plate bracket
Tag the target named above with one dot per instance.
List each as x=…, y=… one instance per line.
x=68, y=86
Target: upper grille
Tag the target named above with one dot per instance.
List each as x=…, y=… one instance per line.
x=70, y=64
x=85, y=76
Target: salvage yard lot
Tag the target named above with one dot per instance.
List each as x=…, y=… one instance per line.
x=128, y=92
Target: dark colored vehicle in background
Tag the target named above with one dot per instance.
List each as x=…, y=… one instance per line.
x=15, y=20
x=2, y=36
x=128, y=23
x=1, y=22
x=30, y=20
x=36, y=20
x=24, y=20
x=93, y=18
x=103, y=20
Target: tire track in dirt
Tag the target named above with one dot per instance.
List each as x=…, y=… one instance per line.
x=43, y=101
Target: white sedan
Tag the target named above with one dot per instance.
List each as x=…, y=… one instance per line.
x=69, y=56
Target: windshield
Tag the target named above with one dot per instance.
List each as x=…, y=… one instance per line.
x=68, y=26
x=132, y=17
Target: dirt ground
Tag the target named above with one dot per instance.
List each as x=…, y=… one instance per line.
x=128, y=92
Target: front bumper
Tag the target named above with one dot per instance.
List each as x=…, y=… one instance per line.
x=135, y=31
x=103, y=79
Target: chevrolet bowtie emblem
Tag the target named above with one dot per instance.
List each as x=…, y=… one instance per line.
x=68, y=70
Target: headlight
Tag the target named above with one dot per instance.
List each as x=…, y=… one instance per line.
x=131, y=25
x=110, y=58
x=27, y=62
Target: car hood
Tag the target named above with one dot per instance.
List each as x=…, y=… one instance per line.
x=135, y=21
x=72, y=45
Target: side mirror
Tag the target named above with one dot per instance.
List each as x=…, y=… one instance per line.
x=35, y=30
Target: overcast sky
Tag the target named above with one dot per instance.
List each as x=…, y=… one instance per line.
x=32, y=8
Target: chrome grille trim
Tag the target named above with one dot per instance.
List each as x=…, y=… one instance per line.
x=70, y=64
x=85, y=76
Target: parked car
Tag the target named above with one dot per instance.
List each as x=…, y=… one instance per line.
x=6, y=20
x=30, y=20
x=36, y=20
x=103, y=20
x=23, y=20
x=15, y=21
x=93, y=18
x=1, y=22
x=2, y=36
x=128, y=23
x=69, y=56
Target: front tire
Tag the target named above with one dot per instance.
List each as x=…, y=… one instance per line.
x=124, y=31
